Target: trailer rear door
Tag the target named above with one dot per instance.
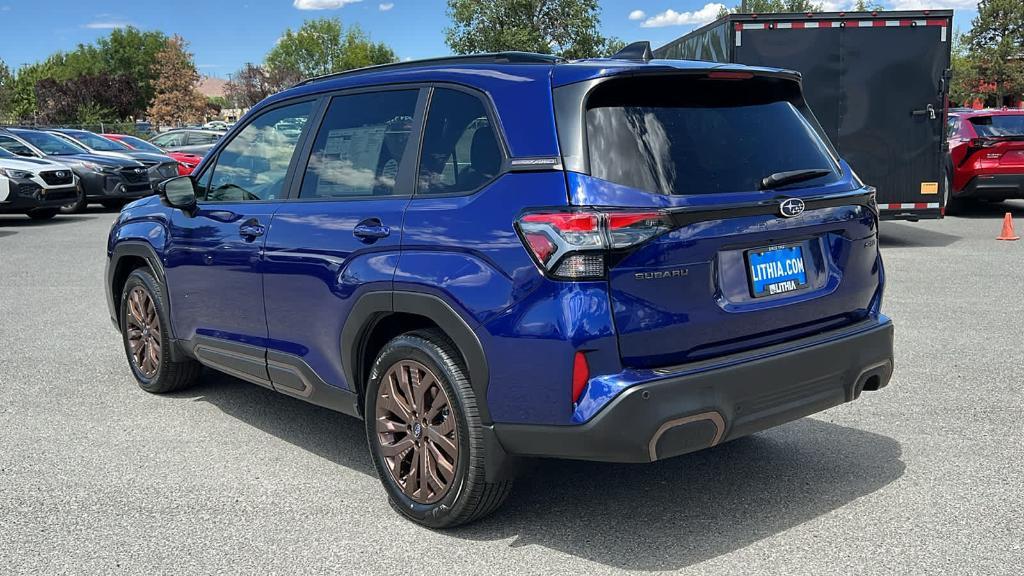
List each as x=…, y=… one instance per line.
x=877, y=88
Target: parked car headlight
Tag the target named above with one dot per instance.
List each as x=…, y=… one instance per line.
x=92, y=167
x=20, y=174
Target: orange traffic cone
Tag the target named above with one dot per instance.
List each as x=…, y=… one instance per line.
x=1008, y=233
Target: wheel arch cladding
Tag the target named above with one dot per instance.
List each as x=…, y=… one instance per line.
x=126, y=257
x=378, y=316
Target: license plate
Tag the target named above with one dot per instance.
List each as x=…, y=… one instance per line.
x=776, y=270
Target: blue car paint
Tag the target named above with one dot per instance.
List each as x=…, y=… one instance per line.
x=465, y=250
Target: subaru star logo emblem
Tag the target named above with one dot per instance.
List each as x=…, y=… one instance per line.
x=791, y=207
x=141, y=170
x=60, y=174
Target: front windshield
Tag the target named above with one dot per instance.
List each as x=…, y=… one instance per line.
x=97, y=142
x=50, y=145
x=140, y=144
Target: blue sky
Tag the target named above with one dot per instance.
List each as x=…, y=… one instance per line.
x=226, y=33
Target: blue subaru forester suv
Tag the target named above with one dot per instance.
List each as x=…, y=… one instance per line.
x=510, y=255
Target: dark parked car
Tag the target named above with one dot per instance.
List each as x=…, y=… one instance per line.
x=986, y=156
x=35, y=187
x=193, y=140
x=496, y=256
x=160, y=166
x=109, y=181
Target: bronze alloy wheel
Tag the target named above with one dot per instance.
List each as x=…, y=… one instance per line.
x=417, y=432
x=143, y=328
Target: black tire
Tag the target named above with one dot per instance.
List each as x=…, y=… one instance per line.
x=77, y=206
x=113, y=204
x=469, y=496
x=953, y=205
x=168, y=376
x=42, y=213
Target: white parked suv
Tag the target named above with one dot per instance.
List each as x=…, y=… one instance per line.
x=34, y=186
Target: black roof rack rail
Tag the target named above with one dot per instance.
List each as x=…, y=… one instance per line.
x=486, y=58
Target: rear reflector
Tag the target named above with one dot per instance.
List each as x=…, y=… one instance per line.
x=580, y=375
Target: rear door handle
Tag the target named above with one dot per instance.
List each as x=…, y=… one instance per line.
x=251, y=229
x=370, y=230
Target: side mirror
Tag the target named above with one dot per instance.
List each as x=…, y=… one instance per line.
x=179, y=193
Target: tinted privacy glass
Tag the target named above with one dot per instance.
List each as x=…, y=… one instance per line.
x=361, y=145
x=700, y=136
x=254, y=164
x=992, y=126
x=460, y=150
x=200, y=138
x=172, y=139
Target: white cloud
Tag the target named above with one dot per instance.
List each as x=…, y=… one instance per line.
x=322, y=4
x=933, y=4
x=105, y=25
x=672, y=18
x=637, y=15
x=385, y=6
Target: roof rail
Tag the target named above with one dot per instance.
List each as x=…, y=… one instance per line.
x=486, y=58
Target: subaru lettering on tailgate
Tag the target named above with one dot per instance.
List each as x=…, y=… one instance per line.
x=776, y=270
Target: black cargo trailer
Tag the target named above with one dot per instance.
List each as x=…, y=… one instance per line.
x=876, y=81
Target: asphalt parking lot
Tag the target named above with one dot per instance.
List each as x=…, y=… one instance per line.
x=923, y=477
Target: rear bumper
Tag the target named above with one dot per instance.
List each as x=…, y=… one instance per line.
x=720, y=401
x=994, y=187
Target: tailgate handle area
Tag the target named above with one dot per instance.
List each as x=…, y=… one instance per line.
x=929, y=110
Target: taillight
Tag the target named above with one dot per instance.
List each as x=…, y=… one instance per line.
x=574, y=245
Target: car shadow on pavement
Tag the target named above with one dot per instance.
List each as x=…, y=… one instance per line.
x=661, y=516
x=898, y=235
x=21, y=221
x=682, y=511
x=992, y=210
x=326, y=433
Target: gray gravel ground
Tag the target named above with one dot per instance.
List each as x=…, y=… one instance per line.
x=98, y=477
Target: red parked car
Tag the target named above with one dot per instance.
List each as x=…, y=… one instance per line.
x=986, y=156
x=187, y=161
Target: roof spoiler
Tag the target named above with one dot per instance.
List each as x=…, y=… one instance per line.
x=638, y=51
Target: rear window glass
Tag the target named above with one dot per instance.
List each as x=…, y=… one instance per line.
x=994, y=126
x=701, y=136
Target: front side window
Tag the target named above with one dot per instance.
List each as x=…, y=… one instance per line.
x=253, y=166
x=701, y=136
x=360, y=147
x=460, y=148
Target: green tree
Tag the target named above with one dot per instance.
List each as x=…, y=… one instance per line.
x=568, y=28
x=131, y=52
x=176, y=100
x=866, y=6
x=6, y=91
x=323, y=46
x=771, y=6
x=995, y=43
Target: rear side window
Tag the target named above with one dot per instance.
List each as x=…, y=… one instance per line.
x=361, y=145
x=695, y=135
x=460, y=148
x=168, y=140
x=996, y=126
x=201, y=138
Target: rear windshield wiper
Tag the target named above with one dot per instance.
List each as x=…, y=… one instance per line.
x=792, y=176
